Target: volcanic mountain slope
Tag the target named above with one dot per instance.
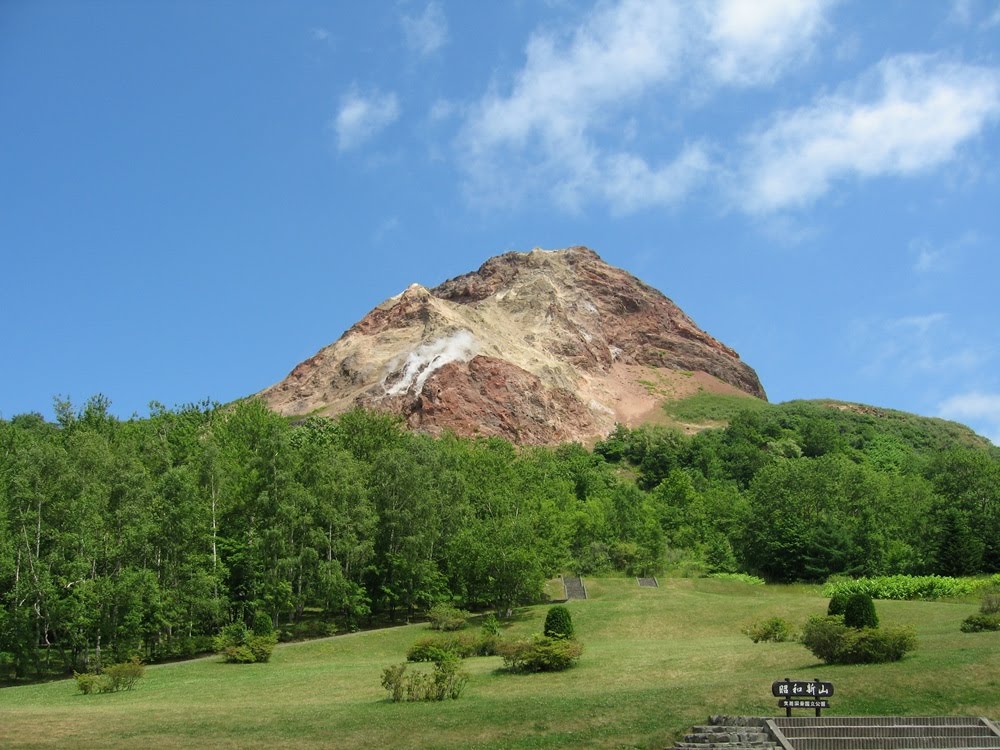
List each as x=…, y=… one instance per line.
x=539, y=348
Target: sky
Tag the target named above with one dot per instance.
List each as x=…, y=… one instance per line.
x=196, y=196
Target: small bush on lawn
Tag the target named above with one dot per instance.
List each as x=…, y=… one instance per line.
x=774, y=629
x=491, y=625
x=838, y=603
x=446, y=617
x=239, y=645
x=875, y=645
x=981, y=622
x=540, y=654
x=446, y=681
x=822, y=636
x=990, y=603
x=123, y=676
x=462, y=645
x=859, y=611
x=835, y=643
x=558, y=623
x=429, y=649
x=86, y=682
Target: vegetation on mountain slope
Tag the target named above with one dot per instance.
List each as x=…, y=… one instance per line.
x=148, y=536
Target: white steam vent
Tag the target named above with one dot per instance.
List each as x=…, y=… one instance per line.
x=427, y=358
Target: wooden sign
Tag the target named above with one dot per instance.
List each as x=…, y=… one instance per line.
x=802, y=694
x=801, y=689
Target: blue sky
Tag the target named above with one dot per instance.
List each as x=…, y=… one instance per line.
x=196, y=196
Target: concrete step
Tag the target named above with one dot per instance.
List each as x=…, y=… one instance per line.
x=872, y=721
x=894, y=743
x=954, y=730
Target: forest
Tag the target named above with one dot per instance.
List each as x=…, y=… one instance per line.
x=146, y=536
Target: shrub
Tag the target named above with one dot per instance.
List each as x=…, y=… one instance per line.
x=822, y=636
x=393, y=681
x=461, y=645
x=990, y=603
x=86, y=682
x=906, y=587
x=262, y=623
x=123, y=676
x=446, y=681
x=859, y=611
x=491, y=625
x=540, y=654
x=774, y=629
x=838, y=603
x=979, y=623
x=238, y=645
x=835, y=643
x=875, y=645
x=446, y=617
x=558, y=623
x=428, y=649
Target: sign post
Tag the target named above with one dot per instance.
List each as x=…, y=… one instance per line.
x=802, y=694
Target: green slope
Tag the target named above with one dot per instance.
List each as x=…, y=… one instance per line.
x=854, y=420
x=656, y=661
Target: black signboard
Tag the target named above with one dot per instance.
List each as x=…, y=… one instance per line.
x=802, y=694
x=801, y=689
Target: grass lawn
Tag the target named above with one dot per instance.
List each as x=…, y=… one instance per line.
x=655, y=662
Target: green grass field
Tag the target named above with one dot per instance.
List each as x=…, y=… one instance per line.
x=655, y=662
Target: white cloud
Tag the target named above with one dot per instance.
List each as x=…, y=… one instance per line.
x=319, y=34
x=630, y=184
x=754, y=41
x=961, y=12
x=553, y=129
x=989, y=23
x=936, y=257
x=361, y=117
x=982, y=410
x=903, y=347
x=570, y=85
x=428, y=32
x=922, y=110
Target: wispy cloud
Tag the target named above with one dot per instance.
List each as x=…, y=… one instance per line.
x=753, y=42
x=903, y=347
x=934, y=257
x=426, y=33
x=909, y=115
x=319, y=34
x=981, y=410
x=362, y=116
x=571, y=83
x=553, y=128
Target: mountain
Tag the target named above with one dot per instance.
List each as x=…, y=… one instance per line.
x=539, y=348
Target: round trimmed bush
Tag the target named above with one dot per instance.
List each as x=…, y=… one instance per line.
x=859, y=612
x=558, y=623
x=838, y=603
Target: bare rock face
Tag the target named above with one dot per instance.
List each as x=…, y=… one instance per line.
x=540, y=348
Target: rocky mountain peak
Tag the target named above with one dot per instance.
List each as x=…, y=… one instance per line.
x=539, y=347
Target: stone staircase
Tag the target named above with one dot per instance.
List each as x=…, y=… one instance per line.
x=730, y=733
x=574, y=587
x=884, y=733
x=843, y=733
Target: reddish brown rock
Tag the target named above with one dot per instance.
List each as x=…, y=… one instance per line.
x=539, y=348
